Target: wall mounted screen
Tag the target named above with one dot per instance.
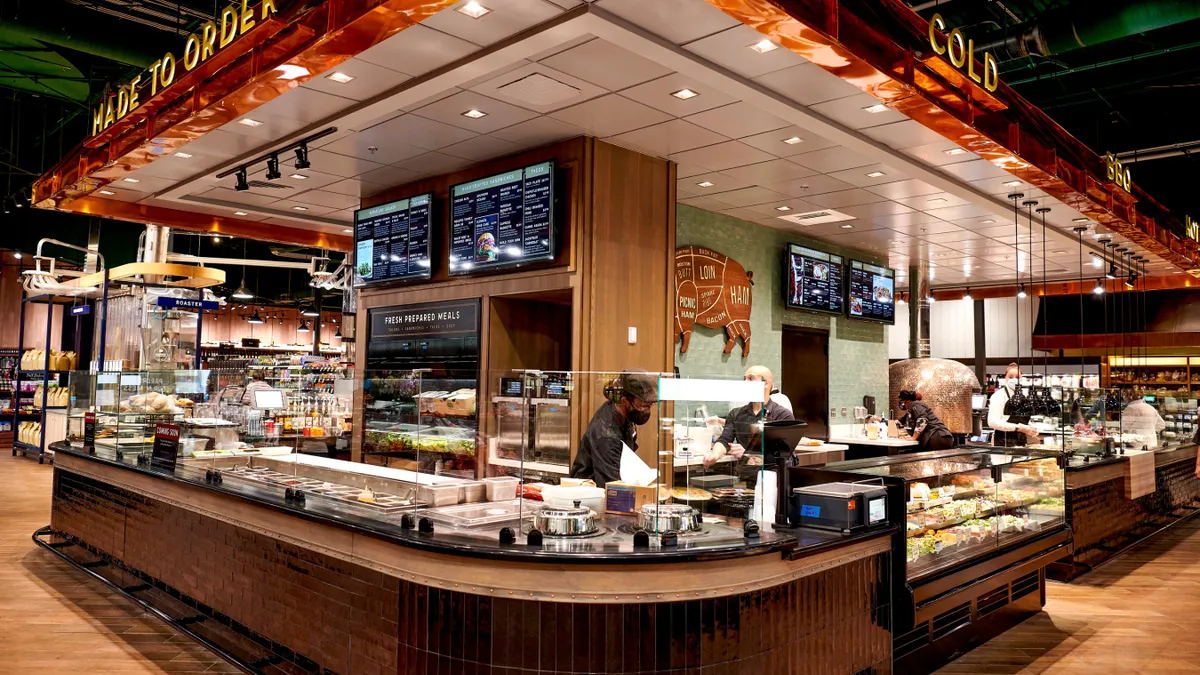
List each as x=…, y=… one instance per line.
x=392, y=240
x=872, y=292
x=814, y=280
x=502, y=220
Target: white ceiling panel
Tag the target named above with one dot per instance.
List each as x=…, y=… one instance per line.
x=977, y=169
x=737, y=120
x=831, y=159
x=793, y=204
x=937, y=200
x=874, y=210
x=677, y=21
x=312, y=179
x=178, y=168
x=419, y=48
x=300, y=209
x=867, y=176
x=773, y=142
x=731, y=49
x=905, y=134
x=772, y=171
x=606, y=65
x=340, y=165
x=323, y=198
x=844, y=198
x=851, y=111
x=357, y=187
x=903, y=188
x=750, y=196
x=270, y=127
x=706, y=203
x=434, y=163
x=220, y=143
x=374, y=145
x=538, y=131
x=234, y=197
x=369, y=80
x=669, y=138
x=506, y=18
x=498, y=114
x=121, y=195
x=657, y=95
x=538, y=87
x=956, y=212
x=723, y=156
x=137, y=182
x=610, y=115
x=305, y=105
x=383, y=176
x=807, y=83
x=939, y=153
x=816, y=184
x=720, y=183
x=480, y=148
x=418, y=131
x=688, y=170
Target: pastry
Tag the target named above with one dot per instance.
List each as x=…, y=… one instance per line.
x=366, y=496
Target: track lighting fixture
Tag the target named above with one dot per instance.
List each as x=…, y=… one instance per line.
x=1099, y=288
x=242, y=183
x=309, y=310
x=302, y=157
x=1021, y=292
x=273, y=167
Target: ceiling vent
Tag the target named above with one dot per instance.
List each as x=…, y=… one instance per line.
x=816, y=217
x=539, y=90
x=273, y=186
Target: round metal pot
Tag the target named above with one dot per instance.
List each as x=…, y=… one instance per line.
x=669, y=517
x=557, y=521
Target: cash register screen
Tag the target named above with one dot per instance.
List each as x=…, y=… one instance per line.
x=979, y=401
x=268, y=399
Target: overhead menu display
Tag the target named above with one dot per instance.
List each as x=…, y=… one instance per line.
x=872, y=292
x=814, y=280
x=392, y=240
x=502, y=220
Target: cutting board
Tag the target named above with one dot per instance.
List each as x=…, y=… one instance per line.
x=1139, y=474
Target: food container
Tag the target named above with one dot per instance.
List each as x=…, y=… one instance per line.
x=439, y=495
x=672, y=517
x=588, y=496
x=569, y=521
x=714, y=480
x=501, y=488
x=471, y=492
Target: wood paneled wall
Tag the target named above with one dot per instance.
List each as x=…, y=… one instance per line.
x=230, y=325
x=11, y=293
x=615, y=261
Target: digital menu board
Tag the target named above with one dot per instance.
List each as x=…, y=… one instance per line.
x=391, y=241
x=814, y=280
x=502, y=220
x=872, y=292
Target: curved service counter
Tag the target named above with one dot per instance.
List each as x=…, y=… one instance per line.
x=284, y=580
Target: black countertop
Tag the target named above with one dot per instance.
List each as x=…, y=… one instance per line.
x=1077, y=463
x=613, y=545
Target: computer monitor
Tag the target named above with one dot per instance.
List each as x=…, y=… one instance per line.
x=268, y=399
x=979, y=401
x=781, y=438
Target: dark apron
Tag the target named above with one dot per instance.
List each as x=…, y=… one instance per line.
x=1011, y=439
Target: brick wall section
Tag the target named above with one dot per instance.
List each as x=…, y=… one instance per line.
x=1101, y=516
x=858, y=351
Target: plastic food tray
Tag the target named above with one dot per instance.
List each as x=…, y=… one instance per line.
x=472, y=515
x=344, y=495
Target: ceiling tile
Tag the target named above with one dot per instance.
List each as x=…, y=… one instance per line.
x=851, y=111
x=538, y=131
x=668, y=138
x=378, y=179
x=903, y=188
x=305, y=105
x=606, y=65
x=807, y=83
x=418, y=131
x=748, y=196
x=357, y=187
x=720, y=183
x=305, y=210
x=677, y=21
x=935, y=154
x=974, y=170
x=706, y=203
x=311, y=181
x=657, y=95
x=808, y=186
x=434, y=164
x=737, y=120
x=793, y=204
x=610, y=115
x=230, y=196
x=450, y=111
x=178, y=168
x=340, y=165
x=861, y=176
x=723, y=156
x=956, y=212
x=374, y=145
x=837, y=200
x=143, y=183
x=876, y=210
x=905, y=134
x=506, y=18
x=512, y=86
x=773, y=142
x=772, y=171
x=323, y=198
x=830, y=160
x=369, y=80
x=480, y=148
x=937, y=200
x=420, y=48
x=731, y=49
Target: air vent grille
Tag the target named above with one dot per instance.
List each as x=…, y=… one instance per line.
x=993, y=601
x=1025, y=585
x=272, y=186
x=949, y=621
x=816, y=217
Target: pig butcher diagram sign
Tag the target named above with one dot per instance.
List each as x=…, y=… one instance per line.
x=712, y=290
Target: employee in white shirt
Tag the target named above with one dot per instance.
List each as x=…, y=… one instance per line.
x=1011, y=430
x=1141, y=419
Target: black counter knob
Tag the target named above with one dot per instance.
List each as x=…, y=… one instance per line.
x=425, y=525
x=507, y=536
x=641, y=539
x=670, y=538
x=751, y=529
x=534, y=538
x=407, y=522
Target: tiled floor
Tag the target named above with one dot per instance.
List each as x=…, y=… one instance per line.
x=54, y=620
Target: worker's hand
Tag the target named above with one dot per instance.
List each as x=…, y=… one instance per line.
x=754, y=460
x=737, y=450
x=710, y=459
x=1028, y=430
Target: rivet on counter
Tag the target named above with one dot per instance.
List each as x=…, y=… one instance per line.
x=751, y=529
x=507, y=536
x=407, y=522
x=425, y=525
x=534, y=538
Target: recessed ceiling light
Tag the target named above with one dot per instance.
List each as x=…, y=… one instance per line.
x=877, y=108
x=339, y=77
x=783, y=208
x=684, y=94
x=1012, y=183
x=474, y=114
x=107, y=192
x=1060, y=252
x=298, y=176
x=705, y=183
x=847, y=227
x=954, y=151
x=793, y=140
x=1079, y=220
x=986, y=222
x=299, y=208
x=183, y=155
x=763, y=46
x=249, y=122
x=347, y=231
x=240, y=213
x=131, y=180
x=473, y=9
x=875, y=174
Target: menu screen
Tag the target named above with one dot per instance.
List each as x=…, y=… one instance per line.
x=502, y=220
x=814, y=280
x=392, y=240
x=872, y=292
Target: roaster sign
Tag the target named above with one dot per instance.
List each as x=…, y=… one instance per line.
x=166, y=447
x=426, y=320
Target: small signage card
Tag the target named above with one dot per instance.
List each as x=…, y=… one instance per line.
x=166, y=447
x=89, y=431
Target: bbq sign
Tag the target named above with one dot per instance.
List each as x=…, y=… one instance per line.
x=198, y=48
x=961, y=52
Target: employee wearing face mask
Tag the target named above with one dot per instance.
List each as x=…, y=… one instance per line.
x=922, y=424
x=742, y=425
x=629, y=405
x=1011, y=430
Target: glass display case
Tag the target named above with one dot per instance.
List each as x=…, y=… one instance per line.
x=420, y=420
x=963, y=505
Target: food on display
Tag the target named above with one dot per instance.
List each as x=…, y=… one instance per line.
x=366, y=496
x=54, y=396
x=413, y=441
x=689, y=494
x=35, y=359
x=151, y=403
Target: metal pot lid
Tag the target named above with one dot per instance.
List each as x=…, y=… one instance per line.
x=548, y=511
x=667, y=510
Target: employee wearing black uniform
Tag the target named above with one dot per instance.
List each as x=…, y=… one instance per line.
x=742, y=425
x=1011, y=430
x=922, y=424
x=629, y=405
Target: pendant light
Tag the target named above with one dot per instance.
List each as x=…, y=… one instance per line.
x=338, y=334
x=1035, y=404
x=255, y=318
x=1077, y=395
x=303, y=327
x=309, y=310
x=1017, y=403
x=1053, y=405
x=243, y=293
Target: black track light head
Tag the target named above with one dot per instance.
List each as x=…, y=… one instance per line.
x=273, y=168
x=242, y=183
x=302, y=157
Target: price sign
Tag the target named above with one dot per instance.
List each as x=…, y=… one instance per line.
x=166, y=447
x=89, y=432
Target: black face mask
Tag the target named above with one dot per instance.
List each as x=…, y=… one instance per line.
x=638, y=417
x=904, y=405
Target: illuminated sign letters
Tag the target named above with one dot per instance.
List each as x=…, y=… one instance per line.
x=1192, y=228
x=198, y=48
x=961, y=52
x=1118, y=172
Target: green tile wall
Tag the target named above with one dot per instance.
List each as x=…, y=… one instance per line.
x=858, y=353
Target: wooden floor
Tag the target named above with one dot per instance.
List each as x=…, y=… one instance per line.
x=54, y=619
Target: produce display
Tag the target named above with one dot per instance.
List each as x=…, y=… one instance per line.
x=970, y=531
x=413, y=441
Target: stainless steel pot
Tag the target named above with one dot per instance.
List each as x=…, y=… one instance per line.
x=673, y=517
x=557, y=521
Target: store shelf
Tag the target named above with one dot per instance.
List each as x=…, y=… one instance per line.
x=26, y=446
x=532, y=466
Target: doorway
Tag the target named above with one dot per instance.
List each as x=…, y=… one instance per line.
x=805, y=377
